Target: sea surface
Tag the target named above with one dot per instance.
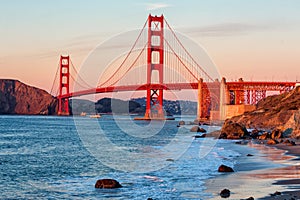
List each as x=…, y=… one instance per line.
x=49, y=157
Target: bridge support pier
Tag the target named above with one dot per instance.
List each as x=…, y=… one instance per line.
x=224, y=99
x=64, y=86
x=200, y=100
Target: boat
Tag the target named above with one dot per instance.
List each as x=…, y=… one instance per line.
x=95, y=116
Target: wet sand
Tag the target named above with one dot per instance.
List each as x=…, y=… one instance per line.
x=290, y=176
x=270, y=169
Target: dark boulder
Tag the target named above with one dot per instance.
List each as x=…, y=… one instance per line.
x=197, y=129
x=249, y=155
x=275, y=194
x=170, y=160
x=225, y=193
x=224, y=168
x=250, y=198
x=107, y=184
x=234, y=130
x=202, y=130
x=200, y=136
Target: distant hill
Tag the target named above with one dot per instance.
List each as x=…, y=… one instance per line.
x=19, y=98
x=137, y=106
x=78, y=106
x=105, y=105
x=177, y=107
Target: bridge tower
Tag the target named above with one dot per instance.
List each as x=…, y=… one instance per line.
x=155, y=62
x=64, y=85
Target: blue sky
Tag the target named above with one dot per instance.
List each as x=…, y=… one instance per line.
x=242, y=37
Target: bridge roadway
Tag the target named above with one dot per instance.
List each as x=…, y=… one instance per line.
x=268, y=86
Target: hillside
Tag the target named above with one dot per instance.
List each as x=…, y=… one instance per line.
x=177, y=107
x=278, y=111
x=108, y=105
x=19, y=98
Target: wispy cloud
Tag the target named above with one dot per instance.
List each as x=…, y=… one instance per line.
x=156, y=6
x=227, y=29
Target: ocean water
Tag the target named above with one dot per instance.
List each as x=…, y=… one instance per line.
x=48, y=157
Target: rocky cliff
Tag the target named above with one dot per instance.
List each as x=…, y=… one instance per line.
x=19, y=98
x=275, y=112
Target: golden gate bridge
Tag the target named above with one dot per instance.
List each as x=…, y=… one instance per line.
x=163, y=63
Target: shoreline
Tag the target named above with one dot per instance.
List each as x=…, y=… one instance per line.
x=290, y=183
x=270, y=169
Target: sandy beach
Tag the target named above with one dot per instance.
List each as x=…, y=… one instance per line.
x=288, y=177
x=271, y=169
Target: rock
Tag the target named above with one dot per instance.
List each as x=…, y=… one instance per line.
x=272, y=142
x=225, y=193
x=197, y=129
x=286, y=141
x=234, y=130
x=223, y=136
x=264, y=136
x=203, y=135
x=202, y=130
x=276, y=134
x=170, y=160
x=292, y=143
x=19, y=98
x=276, y=194
x=289, y=142
x=249, y=155
x=255, y=133
x=107, y=184
x=250, y=198
x=149, y=199
x=243, y=142
x=194, y=129
x=224, y=168
x=181, y=123
x=200, y=136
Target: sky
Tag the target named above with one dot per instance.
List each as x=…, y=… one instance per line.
x=253, y=39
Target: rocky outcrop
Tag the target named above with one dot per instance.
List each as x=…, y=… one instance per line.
x=19, y=98
x=107, y=184
x=280, y=112
x=233, y=130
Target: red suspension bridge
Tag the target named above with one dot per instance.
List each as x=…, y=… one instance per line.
x=159, y=61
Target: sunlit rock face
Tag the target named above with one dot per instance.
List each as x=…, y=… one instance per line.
x=19, y=98
x=275, y=112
